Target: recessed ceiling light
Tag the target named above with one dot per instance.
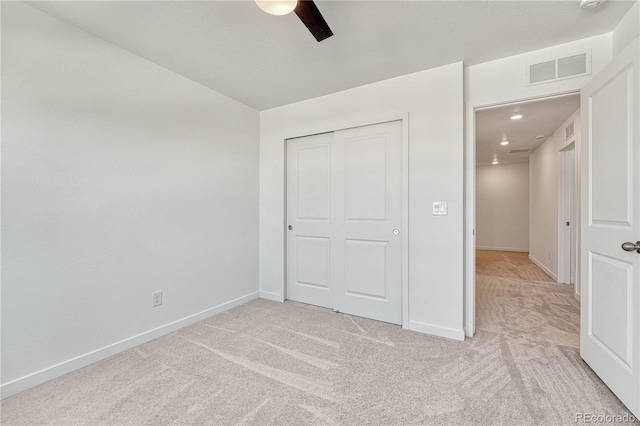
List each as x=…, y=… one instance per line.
x=516, y=116
x=495, y=162
x=504, y=143
x=540, y=137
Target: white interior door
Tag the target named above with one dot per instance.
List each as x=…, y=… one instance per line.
x=567, y=227
x=344, y=211
x=610, y=321
x=368, y=217
x=309, y=220
x=572, y=216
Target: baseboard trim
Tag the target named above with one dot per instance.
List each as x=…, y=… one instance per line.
x=436, y=330
x=23, y=383
x=269, y=295
x=544, y=268
x=519, y=250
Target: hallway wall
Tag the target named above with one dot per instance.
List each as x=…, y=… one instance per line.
x=543, y=171
x=502, y=207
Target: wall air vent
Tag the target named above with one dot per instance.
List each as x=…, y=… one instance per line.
x=519, y=150
x=571, y=66
x=541, y=72
x=569, y=131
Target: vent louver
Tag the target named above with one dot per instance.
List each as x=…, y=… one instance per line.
x=571, y=66
x=543, y=71
x=519, y=150
x=569, y=131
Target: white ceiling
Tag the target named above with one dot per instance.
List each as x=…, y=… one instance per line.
x=266, y=61
x=541, y=117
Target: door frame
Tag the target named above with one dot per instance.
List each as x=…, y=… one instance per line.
x=470, y=198
x=564, y=210
x=403, y=117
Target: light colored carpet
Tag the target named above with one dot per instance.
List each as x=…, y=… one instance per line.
x=292, y=364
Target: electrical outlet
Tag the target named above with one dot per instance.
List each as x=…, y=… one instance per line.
x=156, y=298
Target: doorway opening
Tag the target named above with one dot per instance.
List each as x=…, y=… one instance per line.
x=526, y=225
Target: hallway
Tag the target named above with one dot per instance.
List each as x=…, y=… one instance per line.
x=517, y=298
x=537, y=324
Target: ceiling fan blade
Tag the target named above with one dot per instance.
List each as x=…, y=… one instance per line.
x=311, y=17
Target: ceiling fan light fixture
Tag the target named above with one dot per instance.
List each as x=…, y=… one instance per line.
x=590, y=4
x=277, y=7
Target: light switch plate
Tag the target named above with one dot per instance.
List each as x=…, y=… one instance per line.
x=440, y=208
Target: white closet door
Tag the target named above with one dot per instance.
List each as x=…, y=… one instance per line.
x=366, y=250
x=344, y=211
x=309, y=220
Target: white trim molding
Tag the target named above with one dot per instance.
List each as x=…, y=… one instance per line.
x=544, y=268
x=520, y=250
x=435, y=330
x=270, y=295
x=23, y=383
x=471, y=107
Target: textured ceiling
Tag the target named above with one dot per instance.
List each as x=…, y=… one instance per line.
x=541, y=117
x=266, y=61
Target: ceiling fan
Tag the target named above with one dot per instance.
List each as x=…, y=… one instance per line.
x=306, y=10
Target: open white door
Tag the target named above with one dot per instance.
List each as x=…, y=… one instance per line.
x=610, y=313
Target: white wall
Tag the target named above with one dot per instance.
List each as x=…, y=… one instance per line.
x=119, y=178
x=502, y=207
x=543, y=246
x=499, y=82
x=504, y=80
x=433, y=101
x=627, y=30
x=544, y=216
